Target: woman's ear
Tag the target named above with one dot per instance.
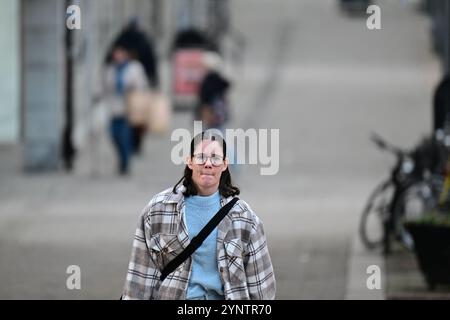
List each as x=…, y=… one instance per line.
x=189, y=162
x=225, y=164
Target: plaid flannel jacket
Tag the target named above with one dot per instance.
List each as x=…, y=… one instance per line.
x=243, y=258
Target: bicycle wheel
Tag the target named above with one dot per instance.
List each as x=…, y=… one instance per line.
x=371, y=226
x=411, y=204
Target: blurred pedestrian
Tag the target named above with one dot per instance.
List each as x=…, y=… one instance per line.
x=140, y=47
x=233, y=261
x=122, y=75
x=213, y=107
x=441, y=104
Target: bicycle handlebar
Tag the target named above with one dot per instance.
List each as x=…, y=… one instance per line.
x=384, y=145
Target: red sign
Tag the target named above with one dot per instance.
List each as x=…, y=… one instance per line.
x=188, y=72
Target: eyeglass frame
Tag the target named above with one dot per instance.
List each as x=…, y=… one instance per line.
x=194, y=156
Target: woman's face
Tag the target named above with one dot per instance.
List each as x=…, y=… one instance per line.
x=120, y=55
x=206, y=176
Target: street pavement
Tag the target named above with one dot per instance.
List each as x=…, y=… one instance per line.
x=320, y=77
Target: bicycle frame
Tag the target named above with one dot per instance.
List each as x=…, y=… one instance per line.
x=403, y=175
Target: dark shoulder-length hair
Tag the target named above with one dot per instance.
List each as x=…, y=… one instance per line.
x=226, y=187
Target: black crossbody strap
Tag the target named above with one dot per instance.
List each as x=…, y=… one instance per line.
x=197, y=241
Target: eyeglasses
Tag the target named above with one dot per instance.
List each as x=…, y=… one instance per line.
x=201, y=158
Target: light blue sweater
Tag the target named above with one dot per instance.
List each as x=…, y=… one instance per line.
x=204, y=275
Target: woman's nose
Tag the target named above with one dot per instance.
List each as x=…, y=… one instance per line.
x=208, y=162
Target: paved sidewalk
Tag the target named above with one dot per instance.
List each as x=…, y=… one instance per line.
x=325, y=102
x=406, y=281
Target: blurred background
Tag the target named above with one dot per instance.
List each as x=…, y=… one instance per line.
x=71, y=189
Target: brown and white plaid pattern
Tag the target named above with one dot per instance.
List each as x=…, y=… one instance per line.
x=243, y=258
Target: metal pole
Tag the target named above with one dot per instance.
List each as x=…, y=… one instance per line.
x=68, y=150
x=447, y=36
x=91, y=46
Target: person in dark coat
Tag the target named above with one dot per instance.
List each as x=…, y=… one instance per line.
x=441, y=104
x=213, y=107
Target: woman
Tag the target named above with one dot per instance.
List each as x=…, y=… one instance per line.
x=232, y=263
x=141, y=49
x=122, y=75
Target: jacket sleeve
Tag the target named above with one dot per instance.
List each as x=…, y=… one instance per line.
x=142, y=275
x=258, y=267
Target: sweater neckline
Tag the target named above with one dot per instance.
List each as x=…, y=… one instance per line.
x=204, y=201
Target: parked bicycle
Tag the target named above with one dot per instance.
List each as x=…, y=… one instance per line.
x=405, y=193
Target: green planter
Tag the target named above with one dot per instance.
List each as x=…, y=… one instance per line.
x=432, y=248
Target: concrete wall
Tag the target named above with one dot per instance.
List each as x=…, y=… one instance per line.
x=43, y=91
x=9, y=71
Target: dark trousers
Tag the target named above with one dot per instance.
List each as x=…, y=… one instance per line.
x=138, y=134
x=122, y=136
